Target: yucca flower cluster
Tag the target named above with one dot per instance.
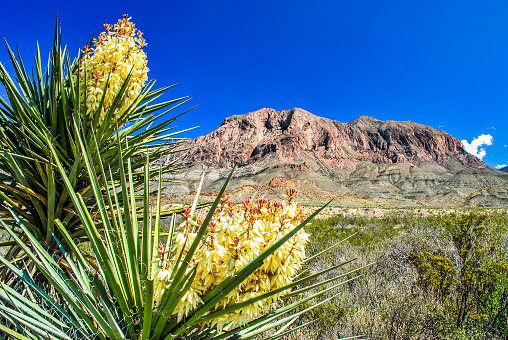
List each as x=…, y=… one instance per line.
x=236, y=236
x=116, y=53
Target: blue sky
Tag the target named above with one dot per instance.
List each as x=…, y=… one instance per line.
x=439, y=63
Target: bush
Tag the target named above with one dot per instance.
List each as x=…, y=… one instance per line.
x=393, y=300
x=471, y=280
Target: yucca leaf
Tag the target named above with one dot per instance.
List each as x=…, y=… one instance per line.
x=122, y=236
x=155, y=264
x=35, y=324
x=115, y=331
x=277, y=313
x=138, y=296
x=16, y=335
x=41, y=171
x=299, y=291
x=198, y=193
x=117, y=253
x=51, y=202
x=151, y=94
x=260, y=325
x=62, y=286
x=147, y=317
x=146, y=237
x=80, y=273
x=14, y=204
x=308, y=259
x=279, y=335
x=34, y=201
x=8, y=294
x=44, y=296
x=62, y=283
x=157, y=129
x=168, y=294
x=96, y=241
x=65, y=194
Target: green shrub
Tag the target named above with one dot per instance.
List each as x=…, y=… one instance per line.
x=470, y=280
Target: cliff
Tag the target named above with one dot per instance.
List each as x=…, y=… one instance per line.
x=298, y=136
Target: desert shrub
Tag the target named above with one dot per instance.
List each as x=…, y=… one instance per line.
x=392, y=300
x=471, y=279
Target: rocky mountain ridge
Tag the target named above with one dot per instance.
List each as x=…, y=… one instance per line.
x=361, y=163
x=297, y=135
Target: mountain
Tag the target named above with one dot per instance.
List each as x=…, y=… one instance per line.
x=363, y=162
x=297, y=135
x=505, y=169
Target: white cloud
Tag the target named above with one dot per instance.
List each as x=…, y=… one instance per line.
x=500, y=166
x=492, y=127
x=472, y=147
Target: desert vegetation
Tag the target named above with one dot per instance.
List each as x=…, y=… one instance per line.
x=438, y=275
x=87, y=251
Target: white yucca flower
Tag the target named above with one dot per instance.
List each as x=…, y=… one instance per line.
x=236, y=236
x=116, y=53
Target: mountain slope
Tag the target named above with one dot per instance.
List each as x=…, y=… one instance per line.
x=366, y=160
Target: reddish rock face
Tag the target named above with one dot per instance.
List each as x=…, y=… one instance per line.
x=299, y=136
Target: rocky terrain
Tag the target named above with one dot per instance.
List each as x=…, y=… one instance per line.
x=366, y=162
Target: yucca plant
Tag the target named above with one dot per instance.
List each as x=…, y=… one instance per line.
x=72, y=143
x=114, y=295
x=103, y=89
